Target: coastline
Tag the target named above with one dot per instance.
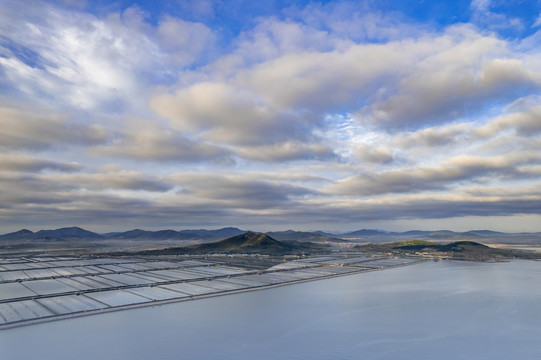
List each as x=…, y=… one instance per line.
x=22, y=323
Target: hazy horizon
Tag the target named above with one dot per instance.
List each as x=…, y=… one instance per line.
x=274, y=115
x=253, y=228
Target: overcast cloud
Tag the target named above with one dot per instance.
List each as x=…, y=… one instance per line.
x=335, y=116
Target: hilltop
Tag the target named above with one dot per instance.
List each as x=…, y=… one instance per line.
x=247, y=243
x=460, y=250
x=66, y=233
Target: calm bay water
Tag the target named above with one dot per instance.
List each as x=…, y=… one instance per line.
x=445, y=310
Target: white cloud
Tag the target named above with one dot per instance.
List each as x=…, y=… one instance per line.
x=480, y=5
x=483, y=14
x=526, y=123
x=86, y=62
x=374, y=154
x=400, y=84
x=537, y=22
x=239, y=191
x=107, y=179
x=183, y=41
x=435, y=136
x=451, y=172
x=470, y=72
x=356, y=22
x=143, y=140
x=23, y=163
x=272, y=38
x=287, y=151
x=41, y=130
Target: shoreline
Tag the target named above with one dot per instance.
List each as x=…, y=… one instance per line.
x=192, y=297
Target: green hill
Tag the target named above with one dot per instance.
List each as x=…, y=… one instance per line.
x=460, y=250
x=247, y=243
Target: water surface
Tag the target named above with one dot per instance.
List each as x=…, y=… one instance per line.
x=444, y=310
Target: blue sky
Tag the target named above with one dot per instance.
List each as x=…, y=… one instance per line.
x=270, y=115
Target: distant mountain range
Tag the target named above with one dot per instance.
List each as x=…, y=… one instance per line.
x=204, y=235
x=74, y=233
x=316, y=236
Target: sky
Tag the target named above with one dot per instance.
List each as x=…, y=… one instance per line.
x=270, y=115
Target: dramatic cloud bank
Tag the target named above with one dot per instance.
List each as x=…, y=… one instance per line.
x=273, y=115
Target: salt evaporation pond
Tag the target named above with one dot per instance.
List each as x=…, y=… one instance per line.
x=444, y=310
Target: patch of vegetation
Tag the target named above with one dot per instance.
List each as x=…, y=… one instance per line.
x=247, y=243
x=460, y=250
x=414, y=243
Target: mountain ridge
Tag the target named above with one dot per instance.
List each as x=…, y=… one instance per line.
x=367, y=235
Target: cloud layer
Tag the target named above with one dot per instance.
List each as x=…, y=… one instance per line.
x=347, y=114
